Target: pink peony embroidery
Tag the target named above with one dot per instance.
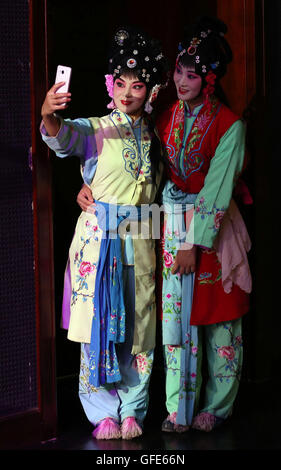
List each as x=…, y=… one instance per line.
x=141, y=363
x=202, y=121
x=218, y=217
x=179, y=117
x=85, y=268
x=168, y=259
x=227, y=351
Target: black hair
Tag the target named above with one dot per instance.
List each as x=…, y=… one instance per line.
x=204, y=46
x=132, y=50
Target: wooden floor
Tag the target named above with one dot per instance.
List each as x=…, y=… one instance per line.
x=254, y=425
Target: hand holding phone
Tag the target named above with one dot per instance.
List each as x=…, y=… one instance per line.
x=63, y=75
x=58, y=97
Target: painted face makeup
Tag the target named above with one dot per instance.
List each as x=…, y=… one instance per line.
x=129, y=95
x=188, y=85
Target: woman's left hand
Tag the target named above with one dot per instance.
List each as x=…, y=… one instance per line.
x=85, y=199
x=185, y=261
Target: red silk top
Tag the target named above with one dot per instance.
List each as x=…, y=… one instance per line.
x=203, y=139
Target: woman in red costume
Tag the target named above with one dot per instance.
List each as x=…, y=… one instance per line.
x=205, y=272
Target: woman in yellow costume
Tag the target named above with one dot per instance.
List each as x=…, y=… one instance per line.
x=109, y=291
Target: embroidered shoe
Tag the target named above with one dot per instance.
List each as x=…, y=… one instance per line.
x=206, y=422
x=107, y=429
x=170, y=425
x=130, y=428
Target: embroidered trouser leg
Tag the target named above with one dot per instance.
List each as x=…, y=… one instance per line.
x=172, y=369
x=224, y=354
x=135, y=369
x=172, y=358
x=98, y=403
x=130, y=396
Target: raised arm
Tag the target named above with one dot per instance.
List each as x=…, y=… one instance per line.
x=54, y=102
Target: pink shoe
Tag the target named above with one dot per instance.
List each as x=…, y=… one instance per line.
x=130, y=428
x=107, y=429
x=170, y=425
x=206, y=422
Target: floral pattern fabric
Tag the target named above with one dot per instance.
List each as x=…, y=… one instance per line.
x=84, y=268
x=180, y=339
x=230, y=353
x=224, y=349
x=128, y=397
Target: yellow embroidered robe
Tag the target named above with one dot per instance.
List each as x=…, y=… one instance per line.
x=122, y=175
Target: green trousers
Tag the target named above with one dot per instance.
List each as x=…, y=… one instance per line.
x=222, y=344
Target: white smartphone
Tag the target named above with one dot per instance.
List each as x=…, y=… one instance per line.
x=63, y=75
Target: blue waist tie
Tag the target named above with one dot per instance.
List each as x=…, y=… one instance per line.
x=108, y=326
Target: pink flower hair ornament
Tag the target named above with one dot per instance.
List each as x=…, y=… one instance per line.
x=109, y=82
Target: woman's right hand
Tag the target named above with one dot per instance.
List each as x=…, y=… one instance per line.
x=55, y=101
x=52, y=103
x=85, y=199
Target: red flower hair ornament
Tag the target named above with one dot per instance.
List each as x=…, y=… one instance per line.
x=209, y=89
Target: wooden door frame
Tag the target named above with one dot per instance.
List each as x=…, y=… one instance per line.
x=40, y=423
x=240, y=80
x=43, y=225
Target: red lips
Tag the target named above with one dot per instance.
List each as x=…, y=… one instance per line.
x=183, y=91
x=126, y=103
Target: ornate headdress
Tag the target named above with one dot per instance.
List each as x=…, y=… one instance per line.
x=133, y=50
x=204, y=46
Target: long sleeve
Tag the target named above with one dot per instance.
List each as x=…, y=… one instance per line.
x=214, y=198
x=75, y=137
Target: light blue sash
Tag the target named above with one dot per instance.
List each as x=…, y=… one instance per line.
x=108, y=326
x=178, y=291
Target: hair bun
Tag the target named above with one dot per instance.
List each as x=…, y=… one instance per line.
x=206, y=23
x=214, y=24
